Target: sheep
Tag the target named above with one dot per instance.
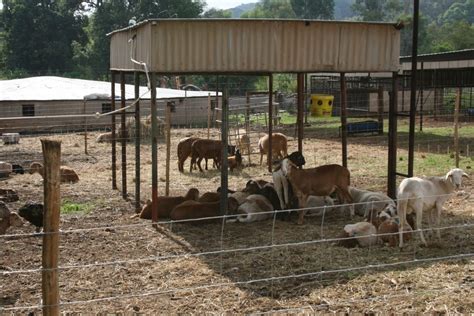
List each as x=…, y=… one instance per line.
x=317, y=204
x=184, y=151
x=365, y=235
x=254, y=186
x=210, y=197
x=5, y=169
x=67, y=174
x=367, y=201
x=243, y=143
x=207, y=149
x=427, y=194
x=8, y=219
x=285, y=192
x=279, y=146
x=388, y=227
x=319, y=181
x=197, y=210
x=104, y=137
x=235, y=161
x=165, y=204
x=33, y=213
x=259, y=206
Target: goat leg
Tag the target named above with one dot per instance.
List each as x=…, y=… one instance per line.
x=302, y=201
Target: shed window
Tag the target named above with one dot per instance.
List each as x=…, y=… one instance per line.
x=106, y=107
x=28, y=109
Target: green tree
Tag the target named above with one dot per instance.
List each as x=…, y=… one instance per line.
x=313, y=9
x=378, y=10
x=38, y=35
x=215, y=13
x=271, y=9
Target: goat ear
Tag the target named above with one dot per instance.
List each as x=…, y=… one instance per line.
x=465, y=175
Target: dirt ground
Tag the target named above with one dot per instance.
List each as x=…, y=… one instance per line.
x=115, y=264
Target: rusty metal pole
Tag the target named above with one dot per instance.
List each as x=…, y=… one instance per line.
x=457, y=105
x=270, y=122
x=138, y=136
x=52, y=202
x=414, y=58
x=392, y=139
x=123, y=132
x=114, y=136
x=344, y=119
x=154, y=151
x=168, y=146
x=421, y=97
x=300, y=109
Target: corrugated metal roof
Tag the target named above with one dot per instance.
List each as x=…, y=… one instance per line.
x=256, y=46
x=49, y=88
x=464, y=54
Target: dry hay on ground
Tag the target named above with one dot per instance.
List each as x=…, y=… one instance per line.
x=166, y=280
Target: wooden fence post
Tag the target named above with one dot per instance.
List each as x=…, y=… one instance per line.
x=52, y=200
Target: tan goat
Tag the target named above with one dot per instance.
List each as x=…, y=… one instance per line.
x=67, y=174
x=279, y=146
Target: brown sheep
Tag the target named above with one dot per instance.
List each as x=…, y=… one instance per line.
x=195, y=210
x=235, y=161
x=184, y=151
x=67, y=174
x=205, y=149
x=210, y=197
x=8, y=219
x=243, y=143
x=167, y=203
x=279, y=146
x=319, y=181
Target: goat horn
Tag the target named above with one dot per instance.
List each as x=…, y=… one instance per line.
x=465, y=175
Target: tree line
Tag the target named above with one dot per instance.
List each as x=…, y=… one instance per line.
x=68, y=37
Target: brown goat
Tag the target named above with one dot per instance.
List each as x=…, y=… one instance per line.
x=67, y=174
x=319, y=181
x=235, y=161
x=167, y=203
x=184, y=150
x=205, y=149
x=388, y=227
x=210, y=197
x=279, y=146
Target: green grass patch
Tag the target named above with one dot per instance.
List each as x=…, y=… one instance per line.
x=69, y=207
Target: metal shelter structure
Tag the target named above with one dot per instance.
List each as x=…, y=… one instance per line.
x=255, y=47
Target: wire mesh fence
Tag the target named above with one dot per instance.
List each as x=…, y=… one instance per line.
x=110, y=261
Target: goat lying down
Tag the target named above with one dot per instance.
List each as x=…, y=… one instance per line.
x=258, y=206
x=426, y=194
x=367, y=201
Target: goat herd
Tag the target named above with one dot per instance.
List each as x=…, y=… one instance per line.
x=294, y=189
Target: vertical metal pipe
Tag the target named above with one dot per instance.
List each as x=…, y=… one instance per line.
x=414, y=59
x=392, y=140
x=224, y=140
x=114, y=136
x=344, y=119
x=421, y=96
x=380, y=109
x=270, y=122
x=457, y=106
x=154, y=151
x=138, y=135
x=300, y=109
x=123, y=138
x=168, y=145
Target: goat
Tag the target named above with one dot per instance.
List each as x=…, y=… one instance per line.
x=259, y=206
x=67, y=174
x=388, y=227
x=104, y=137
x=319, y=181
x=8, y=219
x=427, y=194
x=364, y=233
x=368, y=201
x=197, y=210
x=165, y=204
x=235, y=161
x=184, y=150
x=254, y=186
x=243, y=143
x=280, y=181
x=279, y=146
x=208, y=149
x=210, y=197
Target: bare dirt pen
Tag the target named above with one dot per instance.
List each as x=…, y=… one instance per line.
x=170, y=274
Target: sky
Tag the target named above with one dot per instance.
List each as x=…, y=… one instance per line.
x=225, y=4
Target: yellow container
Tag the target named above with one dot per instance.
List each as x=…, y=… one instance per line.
x=321, y=105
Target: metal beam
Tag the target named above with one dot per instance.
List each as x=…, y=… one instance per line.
x=270, y=122
x=224, y=139
x=154, y=151
x=114, y=136
x=344, y=119
x=392, y=140
x=300, y=109
x=137, y=140
x=123, y=138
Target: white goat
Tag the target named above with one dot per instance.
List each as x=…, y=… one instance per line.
x=365, y=233
x=366, y=201
x=427, y=194
x=255, y=208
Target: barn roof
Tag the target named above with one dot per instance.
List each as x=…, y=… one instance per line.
x=249, y=46
x=49, y=88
